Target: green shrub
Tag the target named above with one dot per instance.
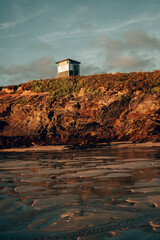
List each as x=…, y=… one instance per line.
x=148, y=82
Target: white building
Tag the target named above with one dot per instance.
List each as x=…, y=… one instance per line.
x=68, y=67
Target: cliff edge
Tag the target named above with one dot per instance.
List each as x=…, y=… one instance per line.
x=81, y=110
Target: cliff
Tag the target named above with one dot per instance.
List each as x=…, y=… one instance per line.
x=81, y=110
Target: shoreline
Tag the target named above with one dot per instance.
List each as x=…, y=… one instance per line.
x=66, y=147
x=132, y=145
x=35, y=149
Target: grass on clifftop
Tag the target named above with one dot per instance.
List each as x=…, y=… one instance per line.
x=147, y=82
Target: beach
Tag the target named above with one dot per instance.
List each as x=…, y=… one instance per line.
x=65, y=147
x=90, y=193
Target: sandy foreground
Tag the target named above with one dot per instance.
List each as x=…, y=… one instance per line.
x=64, y=147
x=117, y=190
x=36, y=148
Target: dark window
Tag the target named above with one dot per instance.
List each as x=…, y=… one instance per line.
x=76, y=70
x=70, y=73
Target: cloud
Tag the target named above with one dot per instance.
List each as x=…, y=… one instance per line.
x=13, y=35
x=129, y=63
x=135, y=50
x=130, y=41
x=12, y=24
x=140, y=39
x=86, y=29
x=88, y=69
x=44, y=67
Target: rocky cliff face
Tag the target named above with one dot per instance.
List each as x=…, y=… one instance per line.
x=29, y=118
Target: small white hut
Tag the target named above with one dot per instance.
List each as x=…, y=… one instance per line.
x=68, y=67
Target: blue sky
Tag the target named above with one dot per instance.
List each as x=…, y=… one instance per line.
x=105, y=35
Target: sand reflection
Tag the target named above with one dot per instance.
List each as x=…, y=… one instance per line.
x=80, y=194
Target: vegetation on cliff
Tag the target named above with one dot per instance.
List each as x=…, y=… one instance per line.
x=81, y=110
x=147, y=82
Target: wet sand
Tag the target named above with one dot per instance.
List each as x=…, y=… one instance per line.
x=86, y=194
x=36, y=148
x=133, y=145
x=64, y=147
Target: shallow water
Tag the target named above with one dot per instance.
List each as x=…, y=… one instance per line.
x=80, y=194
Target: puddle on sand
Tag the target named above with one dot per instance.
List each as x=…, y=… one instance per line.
x=84, y=194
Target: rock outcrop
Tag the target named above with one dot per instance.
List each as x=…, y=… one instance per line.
x=29, y=118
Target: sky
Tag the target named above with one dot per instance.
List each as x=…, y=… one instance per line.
x=106, y=36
